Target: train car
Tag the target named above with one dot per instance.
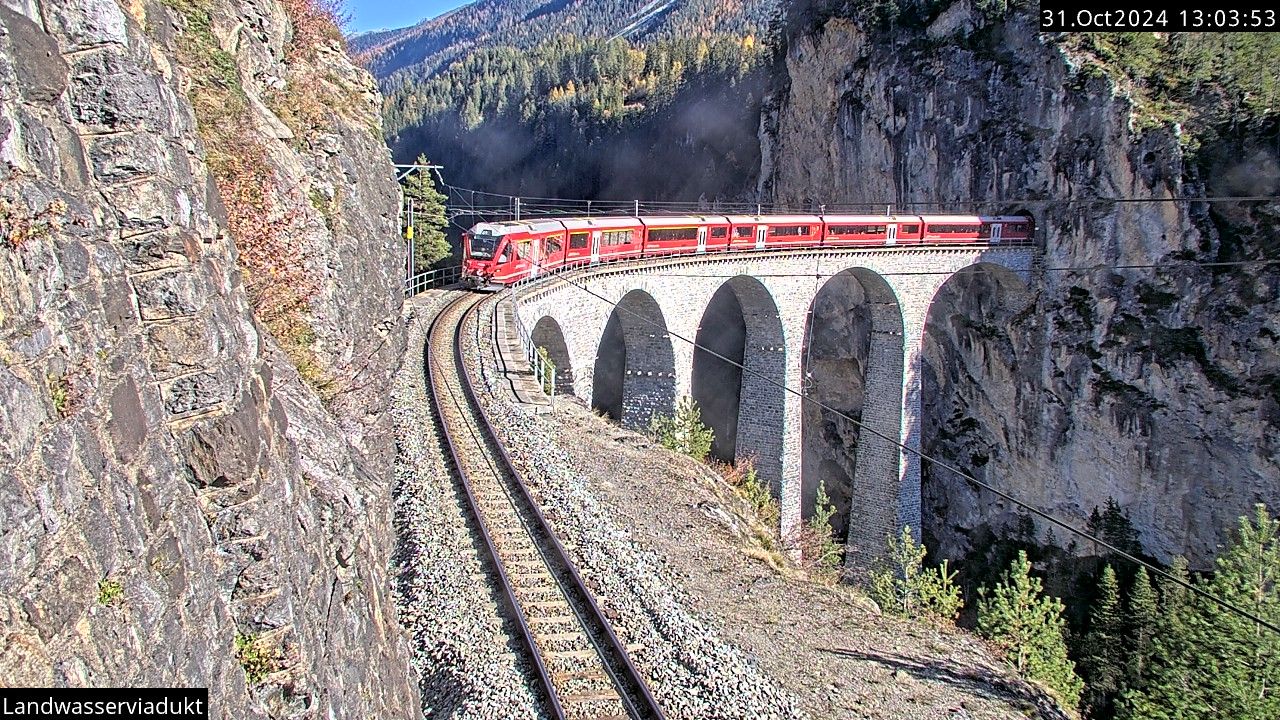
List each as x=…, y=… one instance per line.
x=785, y=231
x=1011, y=229
x=591, y=240
x=966, y=229
x=672, y=235
x=870, y=230
x=773, y=232
x=742, y=232
x=498, y=254
x=495, y=255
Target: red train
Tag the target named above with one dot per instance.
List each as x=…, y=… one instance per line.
x=495, y=255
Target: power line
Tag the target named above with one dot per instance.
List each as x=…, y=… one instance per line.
x=1081, y=269
x=804, y=397
x=718, y=206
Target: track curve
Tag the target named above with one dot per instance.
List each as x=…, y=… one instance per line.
x=580, y=663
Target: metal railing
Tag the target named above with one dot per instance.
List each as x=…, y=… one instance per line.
x=541, y=365
x=430, y=279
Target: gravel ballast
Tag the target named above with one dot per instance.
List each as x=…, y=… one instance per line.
x=692, y=672
x=466, y=663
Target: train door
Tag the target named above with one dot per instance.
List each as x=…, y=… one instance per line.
x=535, y=257
x=892, y=236
x=702, y=239
x=595, y=247
x=761, y=233
x=995, y=233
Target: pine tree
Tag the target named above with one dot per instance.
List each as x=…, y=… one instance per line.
x=684, y=431
x=429, y=218
x=825, y=549
x=1030, y=630
x=1245, y=683
x=904, y=586
x=1141, y=623
x=1160, y=692
x=1114, y=526
x=1207, y=661
x=1102, y=664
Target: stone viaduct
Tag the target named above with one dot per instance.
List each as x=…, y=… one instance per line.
x=659, y=306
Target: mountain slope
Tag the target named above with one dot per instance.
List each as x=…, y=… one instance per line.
x=428, y=47
x=581, y=98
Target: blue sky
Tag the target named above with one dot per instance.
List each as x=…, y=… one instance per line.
x=378, y=14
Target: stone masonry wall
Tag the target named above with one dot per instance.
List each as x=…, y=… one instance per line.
x=648, y=382
x=887, y=492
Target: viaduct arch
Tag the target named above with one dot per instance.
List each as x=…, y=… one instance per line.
x=654, y=308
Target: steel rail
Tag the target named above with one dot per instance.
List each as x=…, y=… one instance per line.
x=606, y=650
x=514, y=611
x=636, y=693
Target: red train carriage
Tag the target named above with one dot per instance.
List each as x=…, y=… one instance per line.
x=742, y=232
x=1011, y=229
x=600, y=239
x=684, y=234
x=966, y=229
x=870, y=230
x=772, y=232
x=498, y=254
x=786, y=231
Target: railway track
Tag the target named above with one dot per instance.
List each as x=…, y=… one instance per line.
x=580, y=663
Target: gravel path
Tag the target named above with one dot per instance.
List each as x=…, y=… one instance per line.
x=465, y=659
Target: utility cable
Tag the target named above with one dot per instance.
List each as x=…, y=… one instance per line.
x=804, y=397
x=1081, y=269
x=815, y=208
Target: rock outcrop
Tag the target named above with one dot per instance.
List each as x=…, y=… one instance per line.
x=193, y=480
x=1158, y=386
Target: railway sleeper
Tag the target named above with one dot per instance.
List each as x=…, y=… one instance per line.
x=575, y=643
x=572, y=654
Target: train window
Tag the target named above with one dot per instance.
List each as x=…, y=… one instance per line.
x=952, y=229
x=719, y=232
x=669, y=234
x=551, y=246
x=522, y=249
x=856, y=229
x=788, y=230
x=577, y=241
x=904, y=229
x=616, y=237
x=483, y=245
x=744, y=232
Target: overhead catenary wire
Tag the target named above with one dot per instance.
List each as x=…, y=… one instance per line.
x=804, y=397
x=1079, y=269
x=713, y=207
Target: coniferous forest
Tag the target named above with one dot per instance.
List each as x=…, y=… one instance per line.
x=584, y=99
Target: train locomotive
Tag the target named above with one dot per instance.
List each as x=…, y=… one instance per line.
x=498, y=254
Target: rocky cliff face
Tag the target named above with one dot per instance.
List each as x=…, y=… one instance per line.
x=193, y=460
x=1156, y=386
